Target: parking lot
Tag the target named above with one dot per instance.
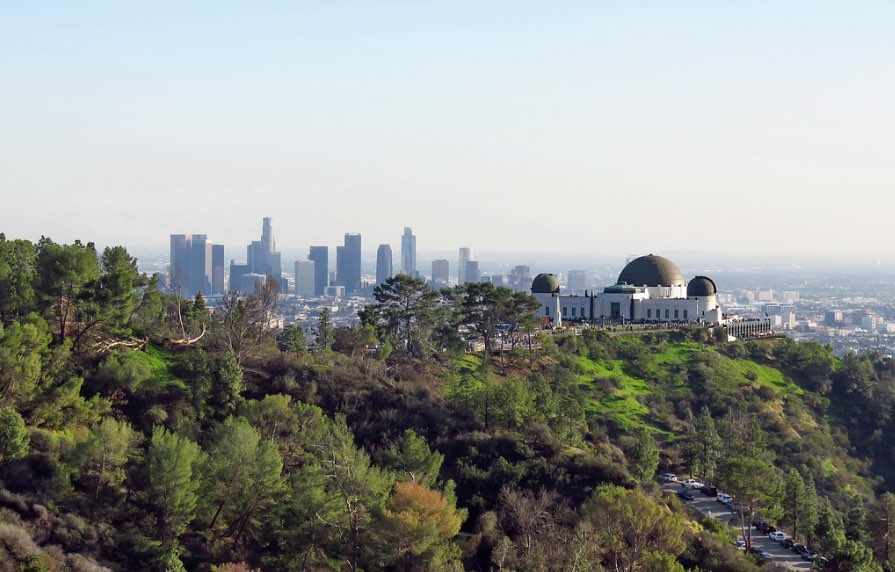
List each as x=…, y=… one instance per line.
x=710, y=507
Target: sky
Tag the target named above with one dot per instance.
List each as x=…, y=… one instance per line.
x=753, y=129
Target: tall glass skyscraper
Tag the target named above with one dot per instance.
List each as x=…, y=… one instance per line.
x=408, y=252
x=320, y=256
x=348, y=262
x=383, y=263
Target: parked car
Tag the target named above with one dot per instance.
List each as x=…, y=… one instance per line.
x=768, y=529
x=797, y=548
x=668, y=478
x=787, y=543
x=686, y=495
x=709, y=490
x=777, y=536
x=723, y=498
x=820, y=563
x=809, y=553
x=691, y=484
x=740, y=544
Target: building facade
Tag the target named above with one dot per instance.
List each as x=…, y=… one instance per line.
x=649, y=289
x=196, y=266
x=319, y=255
x=305, y=278
x=384, y=263
x=441, y=273
x=408, y=253
x=348, y=263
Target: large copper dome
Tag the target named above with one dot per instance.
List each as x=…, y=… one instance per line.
x=651, y=270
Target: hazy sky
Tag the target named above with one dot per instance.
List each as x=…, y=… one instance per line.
x=749, y=128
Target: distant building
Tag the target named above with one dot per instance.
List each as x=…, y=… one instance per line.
x=833, y=317
x=473, y=274
x=335, y=291
x=408, y=253
x=237, y=271
x=790, y=297
x=520, y=278
x=217, y=269
x=384, y=263
x=441, y=270
x=466, y=255
x=193, y=266
x=577, y=281
x=869, y=323
x=348, y=261
x=305, y=271
x=319, y=255
x=262, y=257
x=649, y=288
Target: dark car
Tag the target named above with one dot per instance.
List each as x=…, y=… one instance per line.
x=809, y=553
x=710, y=490
x=797, y=548
x=787, y=543
x=769, y=529
x=686, y=495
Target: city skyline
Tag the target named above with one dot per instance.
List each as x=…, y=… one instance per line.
x=510, y=117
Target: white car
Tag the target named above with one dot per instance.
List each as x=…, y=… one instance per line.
x=777, y=536
x=723, y=498
x=668, y=478
x=692, y=484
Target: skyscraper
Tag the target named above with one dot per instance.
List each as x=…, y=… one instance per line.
x=217, y=269
x=262, y=256
x=520, y=278
x=179, y=269
x=305, y=283
x=465, y=256
x=320, y=256
x=348, y=262
x=383, y=263
x=440, y=273
x=473, y=274
x=192, y=267
x=408, y=253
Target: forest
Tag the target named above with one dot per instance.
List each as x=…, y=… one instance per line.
x=141, y=431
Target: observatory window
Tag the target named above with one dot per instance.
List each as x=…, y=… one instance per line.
x=649, y=313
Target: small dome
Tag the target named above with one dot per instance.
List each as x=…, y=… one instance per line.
x=701, y=286
x=545, y=284
x=651, y=271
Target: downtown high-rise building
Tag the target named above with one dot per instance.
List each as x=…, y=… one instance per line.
x=520, y=278
x=441, y=273
x=262, y=256
x=383, y=263
x=466, y=255
x=408, y=253
x=473, y=273
x=196, y=266
x=305, y=278
x=320, y=256
x=348, y=261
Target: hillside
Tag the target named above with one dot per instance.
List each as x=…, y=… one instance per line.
x=153, y=434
